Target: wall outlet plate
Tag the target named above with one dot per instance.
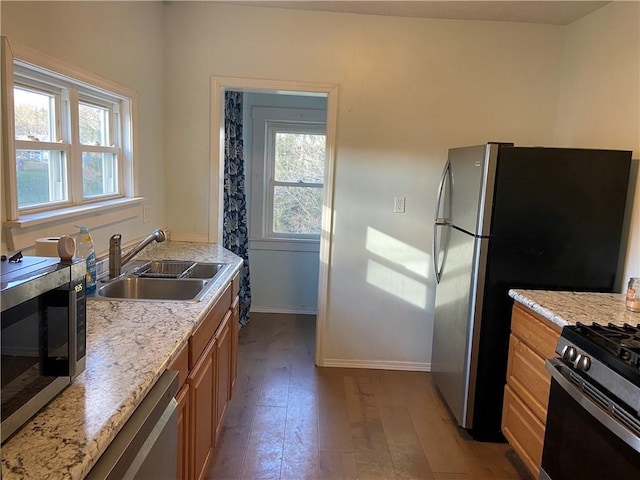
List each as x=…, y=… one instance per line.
x=399, y=204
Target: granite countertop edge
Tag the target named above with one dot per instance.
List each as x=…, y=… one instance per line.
x=129, y=345
x=569, y=308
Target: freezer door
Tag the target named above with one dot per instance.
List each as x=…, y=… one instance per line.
x=472, y=180
x=456, y=326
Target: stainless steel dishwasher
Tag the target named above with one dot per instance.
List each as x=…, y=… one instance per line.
x=147, y=446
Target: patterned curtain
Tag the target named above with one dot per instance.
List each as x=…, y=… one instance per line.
x=235, y=234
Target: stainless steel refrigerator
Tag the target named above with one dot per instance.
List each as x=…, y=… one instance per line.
x=515, y=217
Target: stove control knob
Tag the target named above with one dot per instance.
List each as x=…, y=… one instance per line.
x=569, y=353
x=583, y=363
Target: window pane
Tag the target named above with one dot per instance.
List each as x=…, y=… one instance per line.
x=99, y=174
x=299, y=157
x=297, y=210
x=94, y=124
x=42, y=177
x=34, y=115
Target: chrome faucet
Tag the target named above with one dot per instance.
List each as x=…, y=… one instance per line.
x=117, y=260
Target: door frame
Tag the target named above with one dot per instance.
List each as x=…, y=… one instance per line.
x=219, y=85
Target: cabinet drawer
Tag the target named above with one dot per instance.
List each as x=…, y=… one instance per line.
x=524, y=431
x=538, y=333
x=208, y=327
x=528, y=377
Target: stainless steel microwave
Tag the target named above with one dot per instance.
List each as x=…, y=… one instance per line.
x=43, y=337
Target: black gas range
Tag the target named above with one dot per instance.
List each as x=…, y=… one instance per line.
x=593, y=419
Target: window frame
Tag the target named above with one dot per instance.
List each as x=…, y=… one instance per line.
x=115, y=141
x=56, y=142
x=272, y=128
x=257, y=176
x=22, y=225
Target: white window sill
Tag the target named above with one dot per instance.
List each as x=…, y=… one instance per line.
x=22, y=233
x=286, y=244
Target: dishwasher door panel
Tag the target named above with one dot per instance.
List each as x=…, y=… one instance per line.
x=146, y=448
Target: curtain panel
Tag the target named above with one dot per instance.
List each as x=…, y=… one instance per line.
x=235, y=235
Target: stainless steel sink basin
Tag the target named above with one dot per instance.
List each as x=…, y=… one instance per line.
x=204, y=270
x=162, y=281
x=135, y=288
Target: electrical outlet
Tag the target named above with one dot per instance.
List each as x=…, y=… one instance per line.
x=146, y=213
x=398, y=204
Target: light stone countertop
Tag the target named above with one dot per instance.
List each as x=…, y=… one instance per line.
x=569, y=308
x=129, y=345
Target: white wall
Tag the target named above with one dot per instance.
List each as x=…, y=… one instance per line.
x=122, y=42
x=409, y=89
x=599, y=103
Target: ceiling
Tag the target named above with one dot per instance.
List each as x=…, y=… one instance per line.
x=541, y=11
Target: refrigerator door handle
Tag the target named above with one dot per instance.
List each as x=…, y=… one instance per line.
x=439, y=221
x=435, y=251
x=443, y=179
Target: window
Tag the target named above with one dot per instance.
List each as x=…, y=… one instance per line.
x=98, y=125
x=40, y=160
x=286, y=173
x=69, y=139
x=295, y=158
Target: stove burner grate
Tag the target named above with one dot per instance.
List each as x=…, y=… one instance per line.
x=623, y=342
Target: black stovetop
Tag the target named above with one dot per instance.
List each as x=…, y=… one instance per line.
x=616, y=346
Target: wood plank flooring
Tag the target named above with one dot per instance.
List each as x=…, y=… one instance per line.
x=291, y=420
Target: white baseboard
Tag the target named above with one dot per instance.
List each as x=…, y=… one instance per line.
x=286, y=310
x=377, y=365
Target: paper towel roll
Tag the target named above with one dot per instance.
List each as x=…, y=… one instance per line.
x=47, y=247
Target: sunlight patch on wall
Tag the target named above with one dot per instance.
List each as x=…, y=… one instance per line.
x=397, y=284
x=327, y=228
x=398, y=252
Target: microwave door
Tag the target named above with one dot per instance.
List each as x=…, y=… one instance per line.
x=26, y=377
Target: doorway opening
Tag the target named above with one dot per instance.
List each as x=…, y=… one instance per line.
x=219, y=85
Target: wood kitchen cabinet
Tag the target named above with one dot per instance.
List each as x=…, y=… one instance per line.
x=206, y=367
x=202, y=383
x=223, y=371
x=533, y=340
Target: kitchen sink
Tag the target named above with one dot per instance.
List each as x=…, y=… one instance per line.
x=136, y=288
x=161, y=280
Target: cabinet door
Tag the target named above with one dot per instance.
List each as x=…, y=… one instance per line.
x=202, y=381
x=223, y=366
x=528, y=377
x=235, y=327
x=184, y=409
x=523, y=430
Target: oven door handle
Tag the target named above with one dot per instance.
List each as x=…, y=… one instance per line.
x=623, y=433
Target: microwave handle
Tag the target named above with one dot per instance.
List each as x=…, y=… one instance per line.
x=73, y=332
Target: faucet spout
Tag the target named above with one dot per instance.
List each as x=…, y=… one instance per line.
x=117, y=260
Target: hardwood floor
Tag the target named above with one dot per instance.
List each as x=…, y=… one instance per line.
x=291, y=420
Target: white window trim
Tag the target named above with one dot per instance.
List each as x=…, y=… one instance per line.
x=21, y=229
x=260, y=225
x=272, y=128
